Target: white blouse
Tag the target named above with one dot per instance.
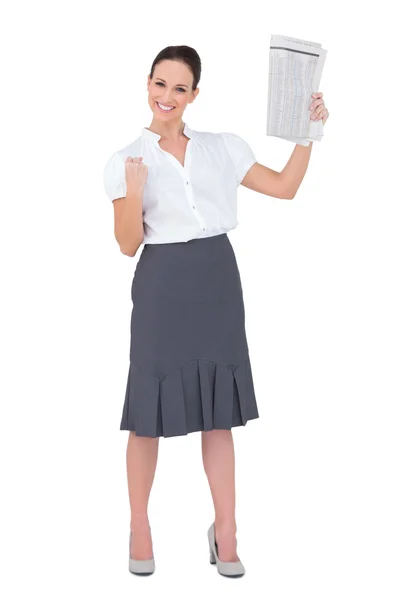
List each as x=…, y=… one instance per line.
x=196, y=200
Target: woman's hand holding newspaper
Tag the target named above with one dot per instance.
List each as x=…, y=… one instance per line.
x=319, y=108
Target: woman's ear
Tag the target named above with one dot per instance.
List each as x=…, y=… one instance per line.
x=195, y=94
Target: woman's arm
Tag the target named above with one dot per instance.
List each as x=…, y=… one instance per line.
x=128, y=223
x=128, y=210
x=296, y=167
x=283, y=184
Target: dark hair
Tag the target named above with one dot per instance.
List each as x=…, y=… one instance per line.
x=184, y=54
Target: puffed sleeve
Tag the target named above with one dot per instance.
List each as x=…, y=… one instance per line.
x=240, y=153
x=114, y=177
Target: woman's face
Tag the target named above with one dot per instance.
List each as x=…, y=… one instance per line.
x=171, y=86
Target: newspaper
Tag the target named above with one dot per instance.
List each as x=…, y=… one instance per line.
x=295, y=69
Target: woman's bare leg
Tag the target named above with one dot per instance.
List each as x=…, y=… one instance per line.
x=141, y=461
x=219, y=465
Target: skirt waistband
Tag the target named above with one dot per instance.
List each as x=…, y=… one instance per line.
x=195, y=241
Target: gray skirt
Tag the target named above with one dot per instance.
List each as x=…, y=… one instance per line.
x=189, y=359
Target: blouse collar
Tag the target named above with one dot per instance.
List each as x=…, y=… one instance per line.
x=151, y=135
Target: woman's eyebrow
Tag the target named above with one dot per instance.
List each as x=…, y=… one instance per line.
x=182, y=84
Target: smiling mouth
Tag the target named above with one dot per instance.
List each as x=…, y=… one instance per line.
x=169, y=109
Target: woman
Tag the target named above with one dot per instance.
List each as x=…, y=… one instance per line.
x=174, y=190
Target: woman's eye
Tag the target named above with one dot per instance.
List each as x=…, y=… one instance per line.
x=161, y=83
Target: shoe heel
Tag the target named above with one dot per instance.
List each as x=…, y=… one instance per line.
x=228, y=569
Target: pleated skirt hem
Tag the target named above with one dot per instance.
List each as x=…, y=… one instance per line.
x=200, y=395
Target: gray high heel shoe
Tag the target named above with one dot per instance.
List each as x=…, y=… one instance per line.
x=229, y=569
x=140, y=567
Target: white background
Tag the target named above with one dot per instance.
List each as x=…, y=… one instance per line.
x=318, y=472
